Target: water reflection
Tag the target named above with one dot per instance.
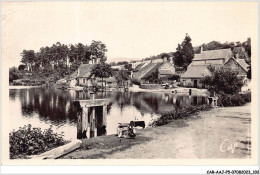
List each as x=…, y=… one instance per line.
x=56, y=107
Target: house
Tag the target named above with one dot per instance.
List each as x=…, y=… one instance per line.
x=198, y=68
x=239, y=65
x=142, y=71
x=191, y=78
x=81, y=77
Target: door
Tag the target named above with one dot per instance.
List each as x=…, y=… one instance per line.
x=195, y=83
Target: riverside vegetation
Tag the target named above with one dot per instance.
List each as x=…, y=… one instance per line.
x=28, y=141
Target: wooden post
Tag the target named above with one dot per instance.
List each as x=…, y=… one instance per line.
x=105, y=115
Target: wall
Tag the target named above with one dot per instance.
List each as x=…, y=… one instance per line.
x=189, y=82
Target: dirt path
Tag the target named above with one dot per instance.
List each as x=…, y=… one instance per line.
x=219, y=133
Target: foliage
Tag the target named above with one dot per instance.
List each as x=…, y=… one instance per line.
x=174, y=77
x=180, y=113
x=153, y=77
x=14, y=74
x=223, y=80
x=21, y=67
x=30, y=141
x=102, y=70
x=128, y=67
x=122, y=63
x=122, y=76
x=60, y=60
x=184, y=53
x=234, y=99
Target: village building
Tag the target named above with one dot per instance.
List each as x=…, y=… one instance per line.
x=81, y=77
x=142, y=71
x=199, y=66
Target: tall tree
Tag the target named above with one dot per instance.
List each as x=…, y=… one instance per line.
x=178, y=58
x=187, y=50
x=98, y=50
x=28, y=58
x=122, y=76
x=184, y=53
x=102, y=70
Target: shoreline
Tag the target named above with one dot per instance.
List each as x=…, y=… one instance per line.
x=181, y=138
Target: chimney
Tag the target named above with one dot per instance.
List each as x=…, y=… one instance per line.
x=201, y=49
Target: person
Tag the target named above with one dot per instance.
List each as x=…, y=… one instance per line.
x=131, y=130
x=124, y=132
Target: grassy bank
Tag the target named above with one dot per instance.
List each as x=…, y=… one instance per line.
x=180, y=113
x=196, y=136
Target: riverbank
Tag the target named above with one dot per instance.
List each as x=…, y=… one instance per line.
x=178, y=90
x=206, y=135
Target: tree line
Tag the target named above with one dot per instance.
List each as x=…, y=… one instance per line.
x=61, y=59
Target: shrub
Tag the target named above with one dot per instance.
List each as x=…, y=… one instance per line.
x=222, y=80
x=234, y=99
x=31, y=141
x=180, y=113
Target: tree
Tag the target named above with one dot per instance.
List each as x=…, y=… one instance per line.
x=122, y=76
x=14, y=74
x=28, y=58
x=223, y=81
x=21, y=67
x=187, y=50
x=102, y=70
x=98, y=50
x=178, y=58
x=247, y=46
x=184, y=53
x=128, y=67
x=153, y=77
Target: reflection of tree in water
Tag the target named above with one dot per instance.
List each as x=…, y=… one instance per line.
x=122, y=99
x=12, y=94
x=50, y=105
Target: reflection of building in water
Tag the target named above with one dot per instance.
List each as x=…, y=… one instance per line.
x=91, y=117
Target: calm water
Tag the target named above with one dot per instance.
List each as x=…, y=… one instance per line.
x=43, y=107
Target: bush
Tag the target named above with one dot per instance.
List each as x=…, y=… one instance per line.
x=234, y=99
x=222, y=80
x=31, y=141
x=180, y=113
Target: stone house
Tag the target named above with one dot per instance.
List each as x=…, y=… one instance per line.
x=198, y=68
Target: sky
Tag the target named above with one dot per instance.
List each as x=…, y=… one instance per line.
x=130, y=30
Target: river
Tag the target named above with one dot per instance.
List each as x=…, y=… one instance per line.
x=45, y=107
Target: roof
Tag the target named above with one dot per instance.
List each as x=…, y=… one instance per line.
x=138, y=67
x=241, y=62
x=214, y=54
x=166, y=72
x=148, y=69
x=196, y=71
x=83, y=71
